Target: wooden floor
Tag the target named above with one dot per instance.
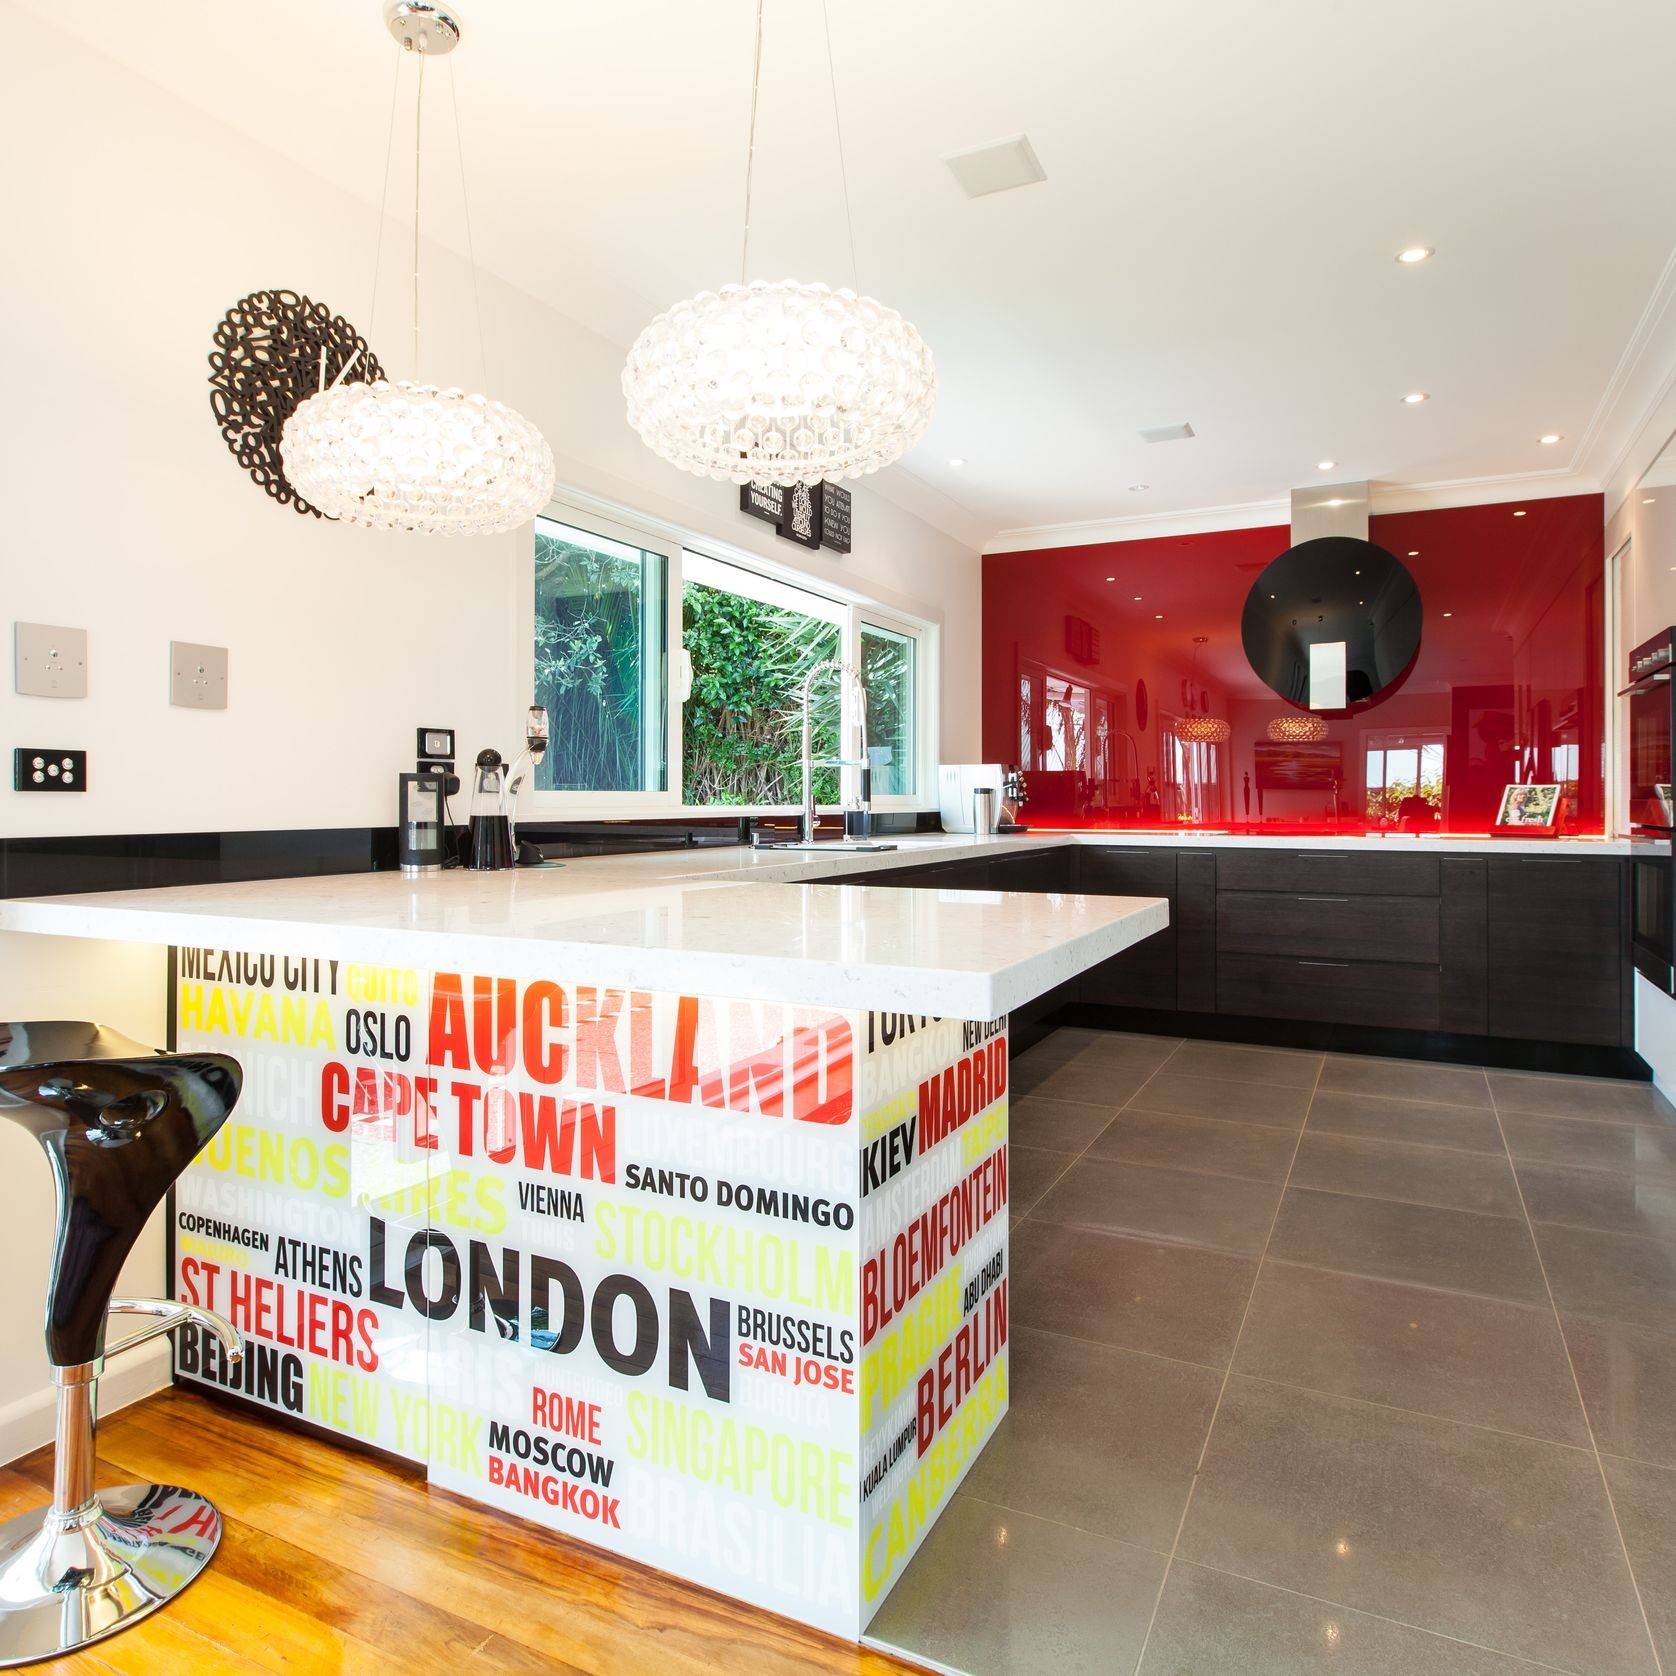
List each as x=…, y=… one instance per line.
x=336, y=1561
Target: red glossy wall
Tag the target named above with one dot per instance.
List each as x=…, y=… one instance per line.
x=1090, y=666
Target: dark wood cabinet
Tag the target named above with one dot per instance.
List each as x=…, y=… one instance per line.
x=1349, y=927
x=1522, y=947
x=1555, y=948
x=1145, y=975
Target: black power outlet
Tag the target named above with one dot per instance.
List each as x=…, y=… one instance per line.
x=36, y=768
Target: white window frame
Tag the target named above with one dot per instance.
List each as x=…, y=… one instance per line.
x=605, y=805
x=758, y=577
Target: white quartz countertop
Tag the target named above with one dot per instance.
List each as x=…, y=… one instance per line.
x=727, y=922
x=718, y=921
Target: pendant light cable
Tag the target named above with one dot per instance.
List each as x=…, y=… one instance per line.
x=418, y=135
x=465, y=210
x=384, y=196
x=838, y=131
x=751, y=146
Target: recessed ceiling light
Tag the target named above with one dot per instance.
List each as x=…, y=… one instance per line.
x=1111, y=578
x=1136, y=488
x=957, y=464
x=1449, y=613
x=1648, y=502
x=1137, y=599
x=1158, y=616
x=1415, y=253
x=1325, y=465
x=1414, y=552
x=1518, y=514
x=1550, y=439
x=1415, y=397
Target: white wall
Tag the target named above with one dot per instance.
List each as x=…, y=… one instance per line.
x=133, y=222
x=141, y=221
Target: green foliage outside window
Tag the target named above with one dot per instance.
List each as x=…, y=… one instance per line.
x=740, y=732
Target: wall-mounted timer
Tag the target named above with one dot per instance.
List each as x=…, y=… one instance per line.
x=436, y=744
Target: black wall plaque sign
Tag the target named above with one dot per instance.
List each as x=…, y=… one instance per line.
x=812, y=515
x=834, y=519
x=763, y=500
x=802, y=520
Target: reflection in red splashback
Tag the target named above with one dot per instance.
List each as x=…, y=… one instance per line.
x=1509, y=683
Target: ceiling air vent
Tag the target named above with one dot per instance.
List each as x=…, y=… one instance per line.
x=1168, y=433
x=996, y=167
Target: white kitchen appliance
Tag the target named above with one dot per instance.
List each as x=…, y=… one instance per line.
x=956, y=781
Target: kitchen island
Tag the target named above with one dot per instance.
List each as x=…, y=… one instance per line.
x=659, y=1199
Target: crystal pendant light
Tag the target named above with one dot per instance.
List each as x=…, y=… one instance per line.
x=404, y=455
x=779, y=381
x=1298, y=729
x=1202, y=730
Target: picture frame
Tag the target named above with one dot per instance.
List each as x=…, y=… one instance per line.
x=801, y=520
x=1530, y=810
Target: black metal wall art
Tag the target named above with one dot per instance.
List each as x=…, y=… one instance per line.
x=274, y=349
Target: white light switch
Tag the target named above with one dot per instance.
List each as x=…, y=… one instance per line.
x=50, y=662
x=197, y=675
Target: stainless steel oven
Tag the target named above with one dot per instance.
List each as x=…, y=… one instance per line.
x=1652, y=726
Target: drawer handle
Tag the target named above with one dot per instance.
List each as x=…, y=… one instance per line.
x=1323, y=898
x=1323, y=962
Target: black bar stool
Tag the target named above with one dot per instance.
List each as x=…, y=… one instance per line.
x=118, y=1124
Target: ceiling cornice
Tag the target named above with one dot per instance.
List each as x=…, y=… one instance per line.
x=1261, y=514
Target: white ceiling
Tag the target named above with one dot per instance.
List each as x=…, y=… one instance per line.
x=1228, y=183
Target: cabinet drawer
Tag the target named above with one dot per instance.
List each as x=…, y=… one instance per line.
x=1327, y=872
x=1347, y=927
x=1328, y=991
x=1126, y=872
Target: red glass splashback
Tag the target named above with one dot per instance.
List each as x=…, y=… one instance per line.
x=1096, y=683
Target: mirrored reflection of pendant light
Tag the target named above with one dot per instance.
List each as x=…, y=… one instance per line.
x=1298, y=729
x=1202, y=730
x=779, y=381
x=403, y=455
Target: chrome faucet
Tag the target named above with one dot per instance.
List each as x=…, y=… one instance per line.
x=859, y=692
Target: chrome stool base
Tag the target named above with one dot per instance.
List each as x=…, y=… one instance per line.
x=67, y=1581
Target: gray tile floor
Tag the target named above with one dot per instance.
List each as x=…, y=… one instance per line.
x=1320, y=1363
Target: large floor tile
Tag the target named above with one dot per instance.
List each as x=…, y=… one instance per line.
x=1276, y=1105
x=1211, y=1624
x=1425, y=1175
x=1479, y=1360
x=1405, y=1079
x=1619, y=1276
x=995, y=1592
x=1030, y=1173
x=1628, y=1148
x=1579, y=1097
x=1623, y=1204
x=1108, y=1087
x=1169, y=1300
x=1205, y=1144
x=1234, y=1063
x=1101, y=1439
x=1645, y=1497
x=1376, y=1118
x=1499, y=1540
x=1091, y=1048
x=1055, y=1125
x=1424, y=1245
x=1628, y=1376
x=1225, y=1213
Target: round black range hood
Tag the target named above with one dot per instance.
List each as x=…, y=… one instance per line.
x=1335, y=591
